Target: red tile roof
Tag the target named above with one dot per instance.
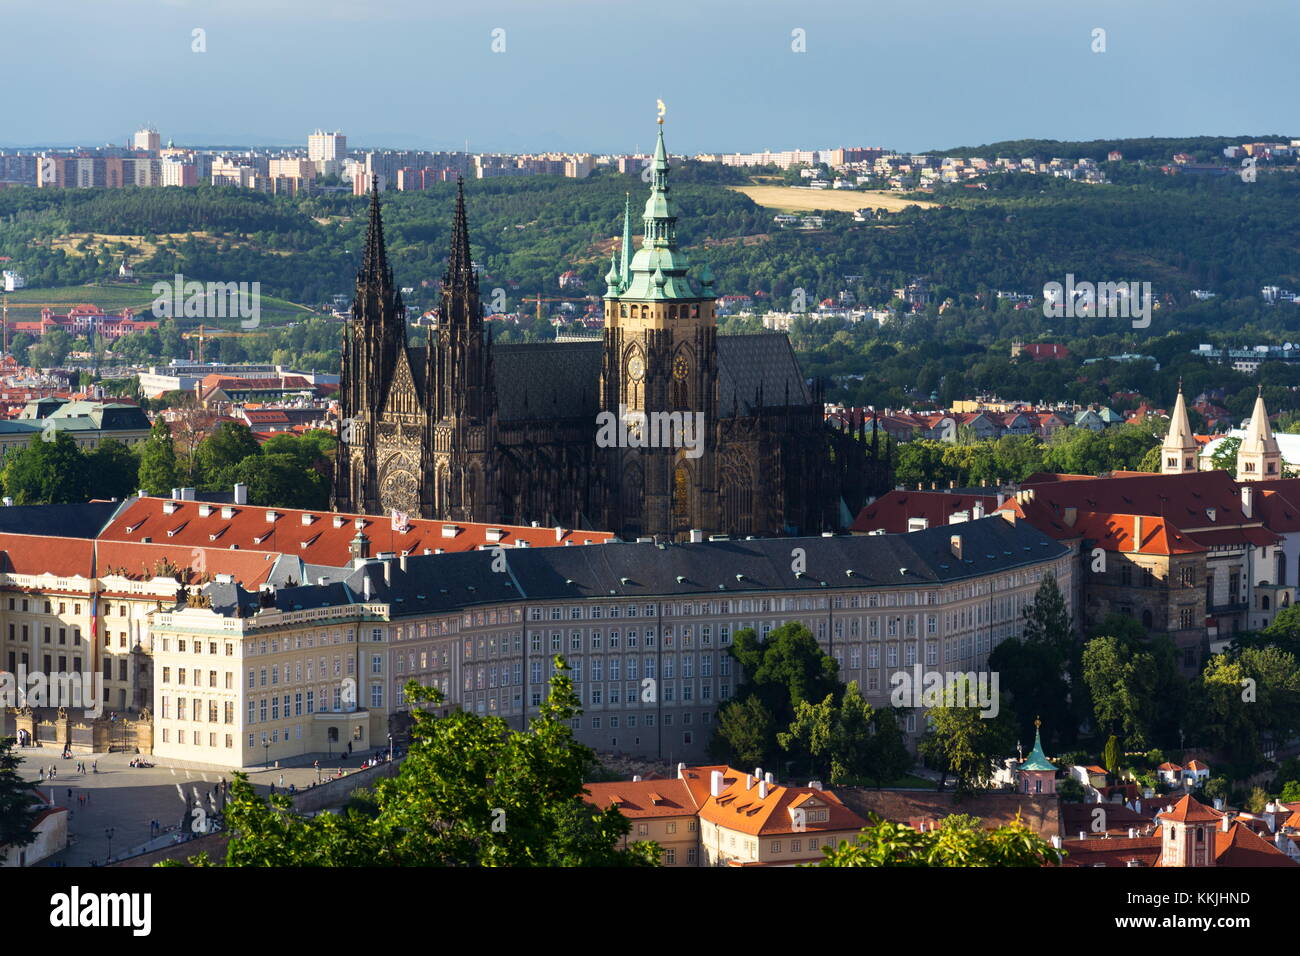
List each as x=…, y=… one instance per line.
x=1189, y=810
x=642, y=799
x=38, y=554
x=324, y=538
x=743, y=810
x=1205, y=507
x=891, y=511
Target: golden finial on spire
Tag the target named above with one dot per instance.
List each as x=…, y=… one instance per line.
x=662, y=110
x=1037, y=722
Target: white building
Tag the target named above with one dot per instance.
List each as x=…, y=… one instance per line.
x=327, y=147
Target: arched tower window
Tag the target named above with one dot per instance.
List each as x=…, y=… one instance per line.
x=681, y=498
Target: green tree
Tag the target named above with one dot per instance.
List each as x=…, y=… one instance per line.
x=157, y=474
x=890, y=758
x=885, y=843
x=281, y=480
x=744, y=734
x=48, y=472
x=961, y=741
x=1048, y=620
x=1069, y=790
x=782, y=671
x=114, y=470
x=1225, y=455
x=1111, y=755
x=471, y=792
x=19, y=801
x=221, y=454
x=1134, y=686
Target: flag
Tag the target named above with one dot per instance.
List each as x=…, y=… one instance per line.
x=400, y=521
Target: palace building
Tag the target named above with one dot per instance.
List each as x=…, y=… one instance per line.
x=720, y=434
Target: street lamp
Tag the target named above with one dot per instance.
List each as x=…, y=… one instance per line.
x=390, y=748
x=266, y=750
x=108, y=833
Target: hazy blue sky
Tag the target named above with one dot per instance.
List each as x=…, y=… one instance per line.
x=579, y=74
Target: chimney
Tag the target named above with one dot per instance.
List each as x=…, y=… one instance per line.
x=1071, y=516
x=758, y=773
x=1083, y=834
x=814, y=784
x=636, y=778
x=769, y=778
x=402, y=560
x=762, y=790
x=176, y=493
x=1248, y=500
x=715, y=783
x=1001, y=499
x=954, y=543
x=1227, y=824
x=388, y=571
x=1137, y=532
x=559, y=533
x=1132, y=833
x=977, y=510
x=697, y=535
x=917, y=524
x=1218, y=803
x=365, y=585
x=188, y=494
x=749, y=781
x=681, y=771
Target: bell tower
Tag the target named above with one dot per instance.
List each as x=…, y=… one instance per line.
x=659, y=377
x=1178, y=452
x=1258, y=457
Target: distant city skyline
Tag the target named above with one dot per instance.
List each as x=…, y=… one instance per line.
x=577, y=75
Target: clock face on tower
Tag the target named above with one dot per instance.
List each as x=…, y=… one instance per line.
x=681, y=368
x=636, y=368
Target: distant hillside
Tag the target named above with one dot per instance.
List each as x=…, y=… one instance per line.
x=1150, y=149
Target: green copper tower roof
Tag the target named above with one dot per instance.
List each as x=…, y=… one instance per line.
x=625, y=266
x=1037, y=759
x=658, y=270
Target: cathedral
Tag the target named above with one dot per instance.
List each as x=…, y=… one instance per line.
x=716, y=433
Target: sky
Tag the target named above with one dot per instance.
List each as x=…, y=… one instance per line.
x=581, y=75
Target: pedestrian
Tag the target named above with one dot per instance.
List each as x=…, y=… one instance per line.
x=42, y=774
x=281, y=781
x=95, y=766
x=69, y=794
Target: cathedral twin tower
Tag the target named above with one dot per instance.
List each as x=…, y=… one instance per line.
x=462, y=430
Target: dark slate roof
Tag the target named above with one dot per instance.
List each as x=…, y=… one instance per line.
x=83, y=520
x=302, y=598
x=764, y=358
x=560, y=379
x=446, y=582
x=548, y=380
x=418, y=356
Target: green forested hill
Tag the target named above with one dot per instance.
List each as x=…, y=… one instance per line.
x=1178, y=232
